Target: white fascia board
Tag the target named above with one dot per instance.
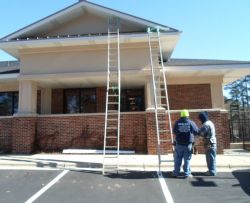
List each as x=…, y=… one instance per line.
x=79, y=75
x=11, y=46
x=11, y=76
x=207, y=67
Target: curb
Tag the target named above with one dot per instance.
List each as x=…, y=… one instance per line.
x=64, y=165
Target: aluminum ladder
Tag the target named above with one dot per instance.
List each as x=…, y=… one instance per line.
x=161, y=101
x=113, y=96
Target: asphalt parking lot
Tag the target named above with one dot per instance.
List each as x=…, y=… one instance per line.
x=129, y=186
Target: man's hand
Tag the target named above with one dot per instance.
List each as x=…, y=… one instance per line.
x=195, y=150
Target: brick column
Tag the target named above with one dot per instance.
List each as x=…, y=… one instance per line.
x=23, y=134
x=151, y=132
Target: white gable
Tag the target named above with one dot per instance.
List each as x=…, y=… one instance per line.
x=93, y=18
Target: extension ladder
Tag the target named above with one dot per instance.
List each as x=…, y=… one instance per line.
x=112, y=114
x=161, y=102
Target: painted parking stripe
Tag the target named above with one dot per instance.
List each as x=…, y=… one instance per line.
x=164, y=187
x=46, y=187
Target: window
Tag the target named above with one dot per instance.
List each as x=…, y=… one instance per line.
x=80, y=100
x=8, y=103
x=132, y=100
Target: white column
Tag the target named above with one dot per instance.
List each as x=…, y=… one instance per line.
x=27, y=98
x=217, y=95
x=149, y=94
x=46, y=101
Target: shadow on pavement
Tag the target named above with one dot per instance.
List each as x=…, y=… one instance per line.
x=51, y=163
x=133, y=175
x=243, y=176
x=202, y=182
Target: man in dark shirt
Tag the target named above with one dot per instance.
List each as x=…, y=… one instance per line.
x=184, y=130
x=207, y=131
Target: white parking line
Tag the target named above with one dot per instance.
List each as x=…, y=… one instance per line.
x=46, y=187
x=165, y=190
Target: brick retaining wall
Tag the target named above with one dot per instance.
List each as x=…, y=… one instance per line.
x=55, y=133
x=221, y=125
x=58, y=132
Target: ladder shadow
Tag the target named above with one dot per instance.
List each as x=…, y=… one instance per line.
x=121, y=174
x=133, y=175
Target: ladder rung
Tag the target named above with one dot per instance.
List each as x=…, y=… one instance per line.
x=111, y=137
x=114, y=87
x=164, y=160
x=111, y=156
x=164, y=131
x=165, y=140
x=112, y=119
x=110, y=103
x=111, y=128
x=161, y=113
x=111, y=147
x=162, y=89
x=112, y=111
x=109, y=167
x=113, y=95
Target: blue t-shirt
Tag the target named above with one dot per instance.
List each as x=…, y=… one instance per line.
x=185, y=130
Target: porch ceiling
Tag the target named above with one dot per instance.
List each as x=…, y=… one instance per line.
x=84, y=80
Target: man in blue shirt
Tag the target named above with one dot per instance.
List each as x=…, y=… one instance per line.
x=184, y=130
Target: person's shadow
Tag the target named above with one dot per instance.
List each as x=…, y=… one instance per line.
x=243, y=177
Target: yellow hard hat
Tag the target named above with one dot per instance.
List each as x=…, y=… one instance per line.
x=184, y=113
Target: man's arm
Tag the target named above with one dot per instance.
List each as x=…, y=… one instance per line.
x=195, y=128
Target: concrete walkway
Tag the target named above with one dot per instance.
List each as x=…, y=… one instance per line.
x=230, y=160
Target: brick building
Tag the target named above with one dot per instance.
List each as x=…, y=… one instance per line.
x=53, y=97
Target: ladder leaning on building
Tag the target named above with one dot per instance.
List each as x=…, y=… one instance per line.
x=161, y=101
x=111, y=149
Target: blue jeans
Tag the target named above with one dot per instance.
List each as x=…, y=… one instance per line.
x=211, y=158
x=182, y=152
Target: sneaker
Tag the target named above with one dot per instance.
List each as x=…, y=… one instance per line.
x=208, y=173
x=189, y=176
x=173, y=175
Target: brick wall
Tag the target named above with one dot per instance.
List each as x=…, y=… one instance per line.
x=61, y=132
x=221, y=125
x=193, y=96
x=23, y=134
x=5, y=134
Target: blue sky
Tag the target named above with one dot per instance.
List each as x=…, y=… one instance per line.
x=212, y=29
